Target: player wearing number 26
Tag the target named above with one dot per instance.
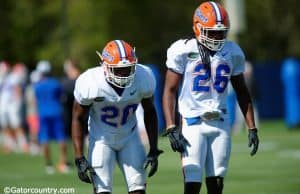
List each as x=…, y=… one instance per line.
x=203, y=66
x=109, y=94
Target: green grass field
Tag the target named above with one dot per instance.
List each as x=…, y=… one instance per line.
x=274, y=170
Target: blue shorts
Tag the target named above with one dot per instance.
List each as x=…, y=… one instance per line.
x=51, y=128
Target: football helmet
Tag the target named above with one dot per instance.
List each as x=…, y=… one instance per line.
x=119, y=61
x=210, y=25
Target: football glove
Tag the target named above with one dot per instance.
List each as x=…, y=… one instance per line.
x=152, y=160
x=253, y=140
x=177, y=141
x=83, y=169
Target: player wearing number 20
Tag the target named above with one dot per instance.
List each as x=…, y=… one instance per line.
x=110, y=94
x=203, y=66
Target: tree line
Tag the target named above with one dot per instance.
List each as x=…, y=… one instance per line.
x=32, y=30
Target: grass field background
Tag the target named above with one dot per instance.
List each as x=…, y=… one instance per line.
x=274, y=170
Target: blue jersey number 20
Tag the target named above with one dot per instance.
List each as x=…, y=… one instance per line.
x=115, y=117
x=202, y=76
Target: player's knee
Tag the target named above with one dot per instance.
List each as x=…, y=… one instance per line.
x=191, y=173
x=214, y=185
x=136, y=183
x=192, y=187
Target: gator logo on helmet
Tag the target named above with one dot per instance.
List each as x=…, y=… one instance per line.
x=107, y=56
x=201, y=16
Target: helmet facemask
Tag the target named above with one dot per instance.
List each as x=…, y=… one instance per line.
x=213, y=37
x=120, y=76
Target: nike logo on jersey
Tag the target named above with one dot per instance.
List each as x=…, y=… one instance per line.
x=99, y=99
x=132, y=92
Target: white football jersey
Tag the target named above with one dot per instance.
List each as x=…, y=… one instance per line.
x=112, y=117
x=8, y=91
x=202, y=89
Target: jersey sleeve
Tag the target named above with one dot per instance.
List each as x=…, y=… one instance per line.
x=147, y=82
x=237, y=59
x=82, y=89
x=175, y=60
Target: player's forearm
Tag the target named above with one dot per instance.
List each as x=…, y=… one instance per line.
x=244, y=99
x=249, y=117
x=169, y=107
x=78, y=123
x=151, y=128
x=246, y=107
x=77, y=137
x=169, y=97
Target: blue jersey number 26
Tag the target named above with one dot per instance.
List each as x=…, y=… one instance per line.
x=202, y=76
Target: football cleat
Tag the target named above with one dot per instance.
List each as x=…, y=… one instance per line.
x=62, y=168
x=50, y=169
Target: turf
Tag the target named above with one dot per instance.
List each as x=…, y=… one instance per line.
x=274, y=170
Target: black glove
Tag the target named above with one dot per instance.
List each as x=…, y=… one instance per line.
x=82, y=168
x=253, y=140
x=178, y=142
x=152, y=160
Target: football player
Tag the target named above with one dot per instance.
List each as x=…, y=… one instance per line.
x=203, y=66
x=11, y=100
x=110, y=95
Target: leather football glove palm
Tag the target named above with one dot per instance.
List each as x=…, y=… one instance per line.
x=177, y=141
x=253, y=140
x=83, y=169
x=152, y=160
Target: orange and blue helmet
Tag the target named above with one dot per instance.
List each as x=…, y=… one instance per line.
x=119, y=61
x=211, y=24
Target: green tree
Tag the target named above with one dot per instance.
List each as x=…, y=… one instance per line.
x=272, y=30
x=32, y=30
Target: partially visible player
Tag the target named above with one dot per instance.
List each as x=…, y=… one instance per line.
x=4, y=70
x=11, y=103
x=72, y=71
x=110, y=95
x=7, y=140
x=32, y=113
x=203, y=66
